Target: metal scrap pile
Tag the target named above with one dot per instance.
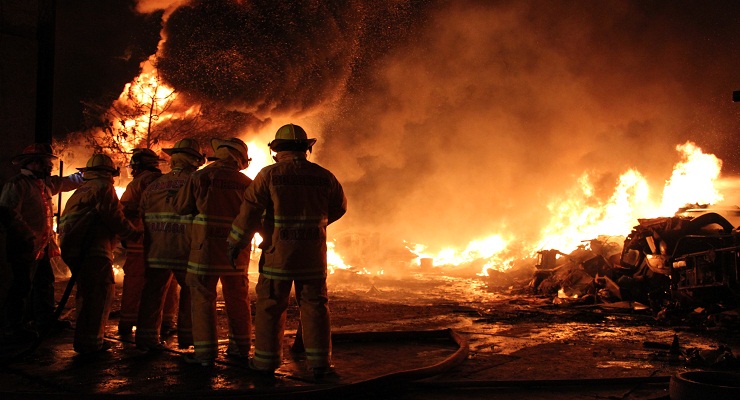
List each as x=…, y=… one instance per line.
x=672, y=265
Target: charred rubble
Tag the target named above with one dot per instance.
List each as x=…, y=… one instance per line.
x=683, y=269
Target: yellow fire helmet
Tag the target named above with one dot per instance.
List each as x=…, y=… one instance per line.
x=234, y=143
x=100, y=162
x=291, y=134
x=186, y=145
x=143, y=157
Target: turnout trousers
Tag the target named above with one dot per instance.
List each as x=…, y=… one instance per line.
x=95, y=285
x=134, y=271
x=203, y=293
x=42, y=300
x=18, y=296
x=171, y=307
x=269, y=321
x=155, y=296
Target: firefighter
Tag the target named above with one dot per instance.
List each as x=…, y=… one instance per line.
x=292, y=201
x=144, y=169
x=91, y=225
x=29, y=194
x=167, y=248
x=213, y=194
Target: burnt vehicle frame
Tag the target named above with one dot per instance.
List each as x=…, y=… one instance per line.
x=690, y=260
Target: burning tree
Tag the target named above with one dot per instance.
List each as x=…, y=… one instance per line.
x=148, y=113
x=145, y=114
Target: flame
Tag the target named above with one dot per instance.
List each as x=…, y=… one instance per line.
x=580, y=215
x=333, y=259
x=260, y=155
x=147, y=89
x=693, y=181
x=575, y=217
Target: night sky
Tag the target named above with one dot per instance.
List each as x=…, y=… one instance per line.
x=444, y=119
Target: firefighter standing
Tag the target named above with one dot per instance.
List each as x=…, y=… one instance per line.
x=293, y=201
x=90, y=226
x=144, y=170
x=213, y=194
x=167, y=248
x=29, y=194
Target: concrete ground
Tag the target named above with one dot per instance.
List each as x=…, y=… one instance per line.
x=430, y=336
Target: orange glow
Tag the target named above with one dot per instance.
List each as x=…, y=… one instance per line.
x=334, y=260
x=579, y=215
x=147, y=89
x=260, y=155
x=488, y=249
x=694, y=180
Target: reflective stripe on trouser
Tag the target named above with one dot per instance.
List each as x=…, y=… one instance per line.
x=153, y=297
x=272, y=302
x=95, y=286
x=133, y=283
x=235, y=290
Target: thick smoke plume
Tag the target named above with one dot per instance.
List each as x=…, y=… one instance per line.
x=275, y=58
x=452, y=120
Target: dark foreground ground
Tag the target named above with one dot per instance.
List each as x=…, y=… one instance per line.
x=421, y=337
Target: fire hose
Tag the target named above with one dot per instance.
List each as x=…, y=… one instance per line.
x=329, y=390
x=419, y=378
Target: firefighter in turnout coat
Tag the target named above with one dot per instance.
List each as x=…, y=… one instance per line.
x=91, y=225
x=29, y=194
x=144, y=170
x=292, y=201
x=213, y=195
x=167, y=248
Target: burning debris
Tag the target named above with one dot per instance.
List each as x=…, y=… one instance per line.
x=674, y=266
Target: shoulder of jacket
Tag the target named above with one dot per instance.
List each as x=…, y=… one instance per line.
x=152, y=177
x=205, y=170
x=18, y=178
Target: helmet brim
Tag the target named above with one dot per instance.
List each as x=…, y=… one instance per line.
x=22, y=159
x=309, y=142
x=187, y=150
x=114, y=171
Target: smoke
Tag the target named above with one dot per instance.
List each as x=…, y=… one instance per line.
x=267, y=58
x=499, y=107
x=452, y=120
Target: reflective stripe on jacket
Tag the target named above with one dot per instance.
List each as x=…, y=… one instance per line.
x=130, y=201
x=213, y=195
x=296, y=200
x=31, y=198
x=166, y=233
x=100, y=236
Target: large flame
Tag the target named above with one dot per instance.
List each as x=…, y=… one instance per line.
x=577, y=216
x=580, y=215
x=151, y=100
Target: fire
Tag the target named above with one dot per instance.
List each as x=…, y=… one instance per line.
x=580, y=216
x=693, y=181
x=577, y=216
x=260, y=155
x=488, y=249
x=149, y=94
x=333, y=259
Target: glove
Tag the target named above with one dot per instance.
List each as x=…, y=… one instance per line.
x=232, y=252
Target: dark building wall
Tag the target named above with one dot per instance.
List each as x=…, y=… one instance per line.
x=18, y=66
x=85, y=50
